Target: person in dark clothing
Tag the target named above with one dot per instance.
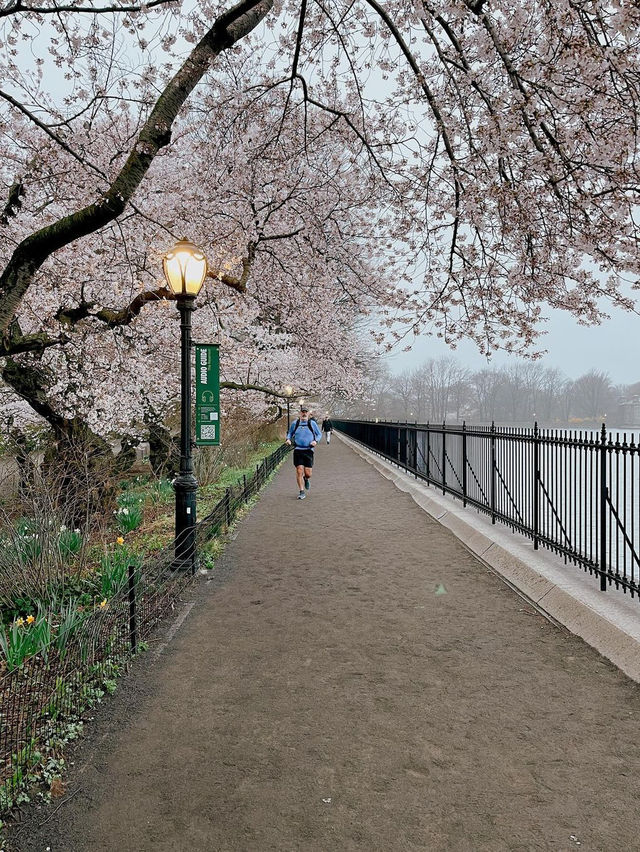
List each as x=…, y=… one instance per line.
x=327, y=428
x=304, y=434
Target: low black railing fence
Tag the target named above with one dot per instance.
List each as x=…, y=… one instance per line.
x=575, y=493
x=83, y=649
x=236, y=496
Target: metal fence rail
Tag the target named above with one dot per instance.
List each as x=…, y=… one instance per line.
x=42, y=699
x=575, y=493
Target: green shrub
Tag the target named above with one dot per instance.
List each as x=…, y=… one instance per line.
x=26, y=541
x=130, y=499
x=129, y=518
x=161, y=491
x=24, y=638
x=70, y=541
x=71, y=619
x=38, y=556
x=113, y=569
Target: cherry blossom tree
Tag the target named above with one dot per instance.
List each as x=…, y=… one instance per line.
x=486, y=153
x=299, y=325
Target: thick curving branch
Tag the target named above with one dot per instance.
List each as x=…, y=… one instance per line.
x=19, y=8
x=14, y=342
x=278, y=394
x=239, y=284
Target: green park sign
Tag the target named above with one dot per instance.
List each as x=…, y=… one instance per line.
x=207, y=395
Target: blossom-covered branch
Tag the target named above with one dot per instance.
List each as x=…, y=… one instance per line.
x=155, y=134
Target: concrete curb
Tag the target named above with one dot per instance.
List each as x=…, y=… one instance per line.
x=609, y=622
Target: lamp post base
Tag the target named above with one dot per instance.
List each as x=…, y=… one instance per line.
x=185, y=487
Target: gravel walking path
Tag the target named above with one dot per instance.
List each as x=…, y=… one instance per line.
x=353, y=679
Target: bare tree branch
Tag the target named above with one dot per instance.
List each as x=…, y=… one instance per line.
x=14, y=201
x=57, y=139
x=14, y=342
x=19, y=8
x=269, y=391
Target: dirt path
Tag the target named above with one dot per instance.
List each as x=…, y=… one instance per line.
x=354, y=679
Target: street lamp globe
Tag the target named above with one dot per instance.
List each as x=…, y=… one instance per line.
x=185, y=268
x=288, y=390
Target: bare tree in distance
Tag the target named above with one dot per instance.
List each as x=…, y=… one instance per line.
x=520, y=394
x=403, y=388
x=594, y=395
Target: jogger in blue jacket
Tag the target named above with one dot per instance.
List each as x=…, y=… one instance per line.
x=304, y=434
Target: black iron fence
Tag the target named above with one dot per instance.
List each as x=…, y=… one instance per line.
x=236, y=496
x=42, y=698
x=575, y=493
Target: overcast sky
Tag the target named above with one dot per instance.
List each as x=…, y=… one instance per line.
x=613, y=347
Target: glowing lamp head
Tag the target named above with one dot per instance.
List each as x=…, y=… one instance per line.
x=288, y=390
x=185, y=268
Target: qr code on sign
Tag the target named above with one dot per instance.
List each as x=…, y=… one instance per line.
x=208, y=432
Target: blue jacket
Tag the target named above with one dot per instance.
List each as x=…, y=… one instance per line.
x=305, y=434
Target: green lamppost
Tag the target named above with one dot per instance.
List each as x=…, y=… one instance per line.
x=185, y=268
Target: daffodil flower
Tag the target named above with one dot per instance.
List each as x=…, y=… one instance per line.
x=30, y=619
x=19, y=621
x=103, y=603
x=120, y=540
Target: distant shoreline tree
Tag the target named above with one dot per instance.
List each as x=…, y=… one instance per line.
x=522, y=393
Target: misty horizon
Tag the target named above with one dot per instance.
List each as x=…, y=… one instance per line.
x=612, y=347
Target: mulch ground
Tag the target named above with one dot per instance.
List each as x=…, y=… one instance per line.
x=352, y=678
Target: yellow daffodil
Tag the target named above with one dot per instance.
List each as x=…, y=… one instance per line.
x=120, y=540
x=19, y=621
x=30, y=619
x=103, y=603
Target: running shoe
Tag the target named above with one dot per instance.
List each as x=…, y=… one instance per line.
x=307, y=484
x=301, y=495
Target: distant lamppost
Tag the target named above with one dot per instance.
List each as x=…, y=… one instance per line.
x=185, y=268
x=288, y=391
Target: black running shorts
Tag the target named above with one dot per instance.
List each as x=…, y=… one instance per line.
x=303, y=456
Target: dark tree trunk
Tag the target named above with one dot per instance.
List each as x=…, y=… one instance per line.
x=164, y=453
x=79, y=466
